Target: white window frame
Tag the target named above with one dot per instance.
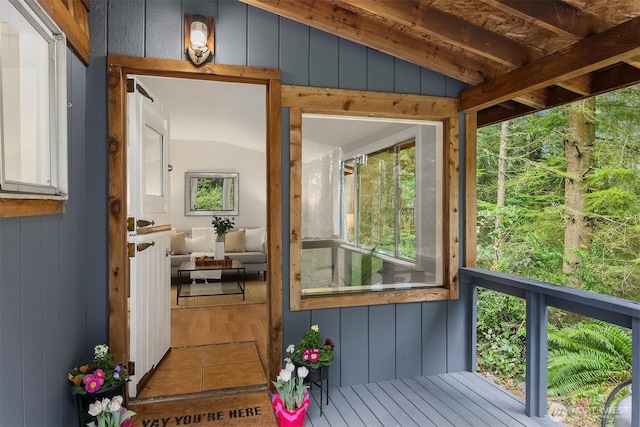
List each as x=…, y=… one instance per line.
x=57, y=136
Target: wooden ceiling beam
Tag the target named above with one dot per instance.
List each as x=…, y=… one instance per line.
x=612, y=78
x=374, y=34
x=594, y=53
x=496, y=114
x=427, y=19
x=580, y=84
x=536, y=99
x=554, y=15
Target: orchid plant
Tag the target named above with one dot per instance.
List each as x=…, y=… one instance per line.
x=110, y=413
x=291, y=388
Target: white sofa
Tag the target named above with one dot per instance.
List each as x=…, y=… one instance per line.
x=246, y=245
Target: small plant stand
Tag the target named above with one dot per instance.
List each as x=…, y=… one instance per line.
x=319, y=377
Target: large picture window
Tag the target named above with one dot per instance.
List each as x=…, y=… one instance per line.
x=374, y=197
x=33, y=137
x=374, y=225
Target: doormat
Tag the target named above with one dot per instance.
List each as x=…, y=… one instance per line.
x=250, y=409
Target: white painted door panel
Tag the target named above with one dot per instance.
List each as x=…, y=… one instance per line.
x=148, y=200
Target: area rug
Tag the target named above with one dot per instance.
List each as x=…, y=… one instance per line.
x=209, y=294
x=250, y=409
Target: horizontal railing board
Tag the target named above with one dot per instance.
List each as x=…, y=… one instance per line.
x=599, y=306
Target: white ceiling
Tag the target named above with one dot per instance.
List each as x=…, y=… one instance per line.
x=235, y=113
x=204, y=110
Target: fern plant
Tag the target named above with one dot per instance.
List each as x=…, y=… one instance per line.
x=587, y=355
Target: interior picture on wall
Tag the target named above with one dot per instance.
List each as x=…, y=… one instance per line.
x=211, y=193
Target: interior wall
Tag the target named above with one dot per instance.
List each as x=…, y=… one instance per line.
x=209, y=156
x=373, y=343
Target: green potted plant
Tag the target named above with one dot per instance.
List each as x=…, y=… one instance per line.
x=101, y=378
x=312, y=353
x=222, y=225
x=110, y=413
x=291, y=399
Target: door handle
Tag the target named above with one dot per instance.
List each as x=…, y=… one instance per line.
x=142, y=246
x=144, y=223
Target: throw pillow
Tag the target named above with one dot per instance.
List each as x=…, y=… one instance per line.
x=254, y=239
x=234, y=241
x=178, y=244
x=203, y=231
x=200, y=244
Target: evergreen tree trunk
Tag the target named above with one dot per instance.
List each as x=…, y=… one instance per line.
x=579, y=155
x=502, y=185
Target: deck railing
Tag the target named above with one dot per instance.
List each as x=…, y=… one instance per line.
x=539, y=296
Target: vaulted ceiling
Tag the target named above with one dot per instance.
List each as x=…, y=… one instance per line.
x=518, y=56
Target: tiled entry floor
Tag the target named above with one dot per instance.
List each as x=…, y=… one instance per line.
x=197, y=369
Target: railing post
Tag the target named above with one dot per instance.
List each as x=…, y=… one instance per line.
x=536, y=369
x=635, y=371
x=473, y=327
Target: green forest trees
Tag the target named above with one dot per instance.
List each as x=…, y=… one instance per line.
x=559, y=201
x=532, y=225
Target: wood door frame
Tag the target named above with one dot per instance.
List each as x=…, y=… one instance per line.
x=118, y=67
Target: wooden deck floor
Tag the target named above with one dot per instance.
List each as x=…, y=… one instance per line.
x=455, y=400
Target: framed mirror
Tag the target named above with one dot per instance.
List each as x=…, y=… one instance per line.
x=211, y=193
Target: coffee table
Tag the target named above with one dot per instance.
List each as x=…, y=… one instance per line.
x=186, y=268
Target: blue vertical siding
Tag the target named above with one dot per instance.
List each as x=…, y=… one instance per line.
x=352, y=68
x=380, y=69
x=262, y=38
x=164, y=34
x=125, y=28
x=409, y=340
x=324, y=51
x=407, y=77
x=231, y=33
x=44, y=292
x=382, y=342
x=294, y=53
x=354, y=345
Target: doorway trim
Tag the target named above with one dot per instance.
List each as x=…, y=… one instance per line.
x=118, y=68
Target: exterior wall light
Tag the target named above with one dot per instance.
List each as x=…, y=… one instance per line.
x=198, y=37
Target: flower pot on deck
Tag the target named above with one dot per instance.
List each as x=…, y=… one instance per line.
x=287, y=418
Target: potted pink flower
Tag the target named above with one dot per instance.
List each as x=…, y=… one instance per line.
x=311, y=351
x=101, y=374
x=292, y=398
x=101, y=378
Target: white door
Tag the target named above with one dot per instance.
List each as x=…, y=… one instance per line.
x=149, y=235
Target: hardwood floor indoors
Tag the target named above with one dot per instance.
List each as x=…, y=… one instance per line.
x=205, y=343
